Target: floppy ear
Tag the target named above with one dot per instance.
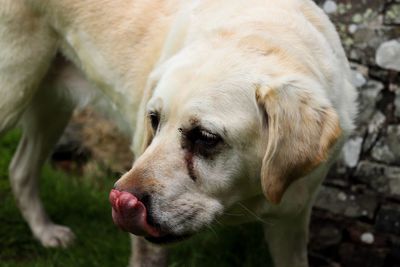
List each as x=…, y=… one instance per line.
x=301, y=130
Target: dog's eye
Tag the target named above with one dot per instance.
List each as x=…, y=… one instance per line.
x=154, y=120
x=207, y=139
x=201, y=140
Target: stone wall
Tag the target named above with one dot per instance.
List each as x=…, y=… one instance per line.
x=356, y=219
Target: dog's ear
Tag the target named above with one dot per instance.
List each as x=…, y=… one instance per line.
x=300, y=130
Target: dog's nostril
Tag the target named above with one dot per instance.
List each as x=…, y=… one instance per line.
x=145, y=199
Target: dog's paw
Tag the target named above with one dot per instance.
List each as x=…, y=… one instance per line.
x=53, y=236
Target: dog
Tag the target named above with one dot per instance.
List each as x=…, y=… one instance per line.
x=232, y=105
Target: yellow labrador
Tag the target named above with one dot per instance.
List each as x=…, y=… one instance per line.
x=234, y=105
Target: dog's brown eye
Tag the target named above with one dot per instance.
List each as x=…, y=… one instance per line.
x=154, y=120
x=207, y=139
x=201, y=141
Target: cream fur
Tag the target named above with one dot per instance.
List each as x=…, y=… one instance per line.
x=227, y=65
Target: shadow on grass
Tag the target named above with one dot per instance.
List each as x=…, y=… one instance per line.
x=83, y=206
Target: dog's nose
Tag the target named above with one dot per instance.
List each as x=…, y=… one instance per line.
x=129, y=182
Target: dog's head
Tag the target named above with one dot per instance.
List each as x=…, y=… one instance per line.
x=220, y=126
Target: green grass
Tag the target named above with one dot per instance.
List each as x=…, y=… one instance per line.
x=83, y=205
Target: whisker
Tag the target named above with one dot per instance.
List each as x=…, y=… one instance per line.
x=213, y=231
x=253, y=214
x=233, y=214
x=219, y=223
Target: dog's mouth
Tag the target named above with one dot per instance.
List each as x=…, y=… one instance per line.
x=131, y=215
x=167, y=239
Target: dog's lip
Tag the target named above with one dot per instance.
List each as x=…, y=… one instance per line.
x=130, y=214
x=167, y=238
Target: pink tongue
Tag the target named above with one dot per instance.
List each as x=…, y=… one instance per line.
x=130, y=214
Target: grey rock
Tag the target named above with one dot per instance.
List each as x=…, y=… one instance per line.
x=380, y=184
x=392, y=172
x=354, y=54
x=368, y=169
x=388, y=219
x=394, y=185
x=338, y=202
x=388, y=55
x=397, y=104
x=392, y=14
x=393, y=132
x=387, y=149
x=367, y=238
x=375, y=126
x=365, y=37
x=351, y=151
x=380, y=177
x=352, y=28
x=369, y=96
x=329, y=7
x=382, y=152
x=372, y=169
x=358, y=78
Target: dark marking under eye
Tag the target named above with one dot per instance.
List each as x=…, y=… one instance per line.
x=189, y=165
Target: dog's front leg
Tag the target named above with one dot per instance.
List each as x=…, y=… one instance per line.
x=43, y=122
x=287, y=240
x=145, y=254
